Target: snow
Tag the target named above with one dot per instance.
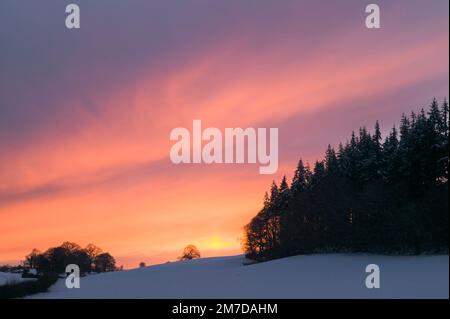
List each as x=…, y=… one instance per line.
x=7, y=277
x=32, y=271
x=310, y=276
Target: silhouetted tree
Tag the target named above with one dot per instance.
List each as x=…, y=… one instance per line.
x=370, y=196
x=300, y=180
x=31, y=260
x=56, y=259
x=190, y=252
x=92, y=251
x=104, y=262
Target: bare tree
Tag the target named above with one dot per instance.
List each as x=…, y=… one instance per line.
x=32, y=258
x=92, y=251
x=190, y=252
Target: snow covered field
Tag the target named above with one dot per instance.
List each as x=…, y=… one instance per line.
x=313, y=276
x=7, y=277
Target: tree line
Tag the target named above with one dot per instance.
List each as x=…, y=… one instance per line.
x=370, y=195
x=55, y=259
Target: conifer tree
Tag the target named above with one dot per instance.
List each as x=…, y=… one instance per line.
x=389, y=197
x=299, y=181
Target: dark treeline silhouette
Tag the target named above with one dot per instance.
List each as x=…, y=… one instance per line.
x=371, y=195
x=25, y=288
x=55, y=259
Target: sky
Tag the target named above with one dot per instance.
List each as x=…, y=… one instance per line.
x=85, y=115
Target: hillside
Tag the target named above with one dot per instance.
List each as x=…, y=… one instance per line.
x=312, y=276
x=6, y=277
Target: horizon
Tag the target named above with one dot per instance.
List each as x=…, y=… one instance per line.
x=85, y=121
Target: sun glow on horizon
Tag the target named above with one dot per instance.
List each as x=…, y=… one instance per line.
x=216, y=243
x=85, y=145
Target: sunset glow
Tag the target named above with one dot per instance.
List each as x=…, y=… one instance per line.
x=85, y=118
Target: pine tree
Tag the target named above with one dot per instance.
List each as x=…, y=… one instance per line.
x=377, y=152
x=444, y=134
x=444, y=115
x=299, y=181
x=390, y=164
x=389, y=197
x=284, y=194
x=434, y=116
x=377, y=135
x=331, y=162
x=319, y=172
x=274, y=195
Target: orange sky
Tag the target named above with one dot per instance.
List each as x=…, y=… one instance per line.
x=96, y=167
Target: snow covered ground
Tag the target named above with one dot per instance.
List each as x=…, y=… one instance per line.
x=7, y=277
x=313, y=276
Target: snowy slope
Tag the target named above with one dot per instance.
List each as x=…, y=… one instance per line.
x=314, y=276
x=7, y=277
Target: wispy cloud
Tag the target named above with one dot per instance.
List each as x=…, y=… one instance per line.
x=85, y=117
